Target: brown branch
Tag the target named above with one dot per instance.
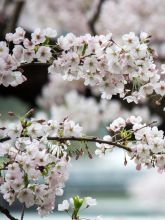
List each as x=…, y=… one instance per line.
x=81, y=139
x=34, y=63
x=97, y=140
x=23, y=212
x=4, y=139
x=7, y=213
x=95, y=17
x=90, y=139
x=15, y=17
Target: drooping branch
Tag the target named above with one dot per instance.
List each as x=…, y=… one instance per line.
x=7, y=213
x=95, y=17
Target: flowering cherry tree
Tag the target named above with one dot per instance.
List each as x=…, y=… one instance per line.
x=127, y=70
x=36, y=152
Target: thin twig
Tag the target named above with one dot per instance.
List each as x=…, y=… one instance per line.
x=23, y=212
x=7, y=213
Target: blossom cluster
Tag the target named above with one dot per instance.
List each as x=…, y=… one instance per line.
x=35, y=168
x=127, y=70
x=18, y=50
x=35, y=151
x=146, y=144
x=60, y=99
x=144, y=15
x=36, y=157
x=76, y=204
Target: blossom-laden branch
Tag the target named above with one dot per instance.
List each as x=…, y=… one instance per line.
x=80, y=139
x=36, y=149
x=6, y=213
x=90, y=139
x=127, y=70
x=101, y=141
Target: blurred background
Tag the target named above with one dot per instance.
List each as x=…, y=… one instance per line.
x=122, y=192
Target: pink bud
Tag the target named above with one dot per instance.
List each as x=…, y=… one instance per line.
x=138, y=167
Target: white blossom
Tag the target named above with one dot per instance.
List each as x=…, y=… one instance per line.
x=43, y=54
x=32, y=157
x=38, y=36
x=26, y=196
x=160, y=88
x=64, y=206
x=90, y=201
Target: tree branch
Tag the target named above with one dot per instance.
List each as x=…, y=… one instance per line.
x=4, y=139
x=90, y=139
x=81, y=139
x=23, y=212
x=95, y=17
x=15, y=17
x=7, y=213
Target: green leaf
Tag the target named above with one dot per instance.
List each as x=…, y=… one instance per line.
x=3, y=160
x=84, y=49
x=78, y=202
x=46, y=169
x=46, y=42
x=26, y=180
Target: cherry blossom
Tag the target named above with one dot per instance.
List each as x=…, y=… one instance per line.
x=127, y=70
x=90, y=201
x=24, y=51
x=130, y=63
x=43, y=54
x=160, y=88
x=146, y=143
x=37, y=167
x=36, y=151
x=75, y=205
x=64, y=206
x=33, y=154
